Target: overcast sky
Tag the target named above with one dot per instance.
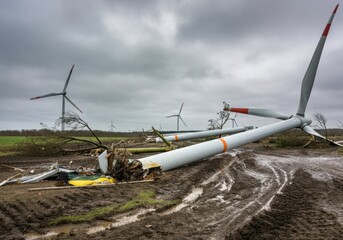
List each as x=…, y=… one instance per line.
x=136, y=62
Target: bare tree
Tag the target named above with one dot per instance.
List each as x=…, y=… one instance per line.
x=219, y=122
x=76, y=123
x=322, y=121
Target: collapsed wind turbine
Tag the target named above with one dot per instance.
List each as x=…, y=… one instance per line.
x=178, y=116
x=176, y=158
x=64, y=96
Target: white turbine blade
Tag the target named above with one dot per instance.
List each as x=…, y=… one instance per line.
x=311, y=131
x=72, y=103
x=182, y=121
x=307, y=83
x=181, y=108
x=67, y=82
x=172, y=116
x=259, y=112
x=46, y=95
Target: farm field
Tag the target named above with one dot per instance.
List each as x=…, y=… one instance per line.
x=9, y=144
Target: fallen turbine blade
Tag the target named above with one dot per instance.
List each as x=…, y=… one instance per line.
x=67, y=82
x=307, y=83
x=72, y=103
x=46, y=95
x=311, y=131
x=202, y=134
x=259, y=112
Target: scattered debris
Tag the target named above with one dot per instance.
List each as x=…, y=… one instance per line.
x=114, y=166
x=89, y=186
x=90, y=180
x=14, y=168
x=8, y=179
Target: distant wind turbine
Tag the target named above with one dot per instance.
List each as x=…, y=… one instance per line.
x=234, y=122
x=178, y=116
x=112, y=127
x=64, y=96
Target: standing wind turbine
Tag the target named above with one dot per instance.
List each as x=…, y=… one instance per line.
x=112, y=127
x=197, y=152
x=64, y=96
x=234, y=122
x=178, y=118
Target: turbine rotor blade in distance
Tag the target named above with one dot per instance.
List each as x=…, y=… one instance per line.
x=311, y=131
x=72, y=103
x=308, y=81
x=67, y=82
x=261, y=112
x=181, y=108
x=172, y=116
x=182, y=121
x=46, y=95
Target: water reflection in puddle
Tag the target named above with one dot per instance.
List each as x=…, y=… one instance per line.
x=98, y=226
x=118, y=222
x=196, y=192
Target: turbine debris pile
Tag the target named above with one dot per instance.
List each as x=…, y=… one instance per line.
x=116, y=164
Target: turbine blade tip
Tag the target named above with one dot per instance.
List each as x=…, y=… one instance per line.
x=335, y=10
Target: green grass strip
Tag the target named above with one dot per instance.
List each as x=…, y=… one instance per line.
x=11, y=140
x=143, y=199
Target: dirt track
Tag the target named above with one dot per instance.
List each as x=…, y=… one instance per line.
x=252, y=194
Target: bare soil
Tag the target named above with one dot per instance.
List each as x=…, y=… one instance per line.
x=252, y=193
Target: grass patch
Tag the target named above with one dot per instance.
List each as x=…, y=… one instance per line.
x=10, y=141
x=7, y=141
x=8, y=145
x=290, y=141
x=44, y=145
x=143, y=199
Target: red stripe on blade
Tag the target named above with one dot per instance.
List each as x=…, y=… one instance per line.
x=240, y=110
x=326, y=30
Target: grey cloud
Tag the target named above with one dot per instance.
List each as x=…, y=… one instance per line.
x=246, y=53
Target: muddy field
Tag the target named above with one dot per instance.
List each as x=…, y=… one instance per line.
x=252, y=193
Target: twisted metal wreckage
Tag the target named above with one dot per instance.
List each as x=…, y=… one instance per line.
x=176, y=158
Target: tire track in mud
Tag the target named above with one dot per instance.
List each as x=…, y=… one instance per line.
x=224, y=200
x=297, y=213
x=20, y=215
x=252, y=186
x=241, y=197
x=221, y=202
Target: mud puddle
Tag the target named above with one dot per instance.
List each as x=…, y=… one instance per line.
x=190, y=198
x=97, y=226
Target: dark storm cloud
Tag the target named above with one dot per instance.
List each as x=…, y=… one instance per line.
x=137, y=61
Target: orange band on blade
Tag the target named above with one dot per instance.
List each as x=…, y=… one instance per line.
x=176, y=138
x=224, y=143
